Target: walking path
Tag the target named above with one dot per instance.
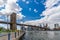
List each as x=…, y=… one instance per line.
x=4, y=36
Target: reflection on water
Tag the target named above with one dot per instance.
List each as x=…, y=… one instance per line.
x=42, y=35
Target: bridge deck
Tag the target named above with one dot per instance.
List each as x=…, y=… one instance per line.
x=23, y=25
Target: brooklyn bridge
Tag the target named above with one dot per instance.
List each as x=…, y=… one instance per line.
x=13, y=24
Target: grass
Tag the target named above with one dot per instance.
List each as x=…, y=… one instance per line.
x=2, y=30
x=6, y=31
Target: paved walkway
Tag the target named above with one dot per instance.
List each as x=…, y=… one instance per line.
x=5, y=37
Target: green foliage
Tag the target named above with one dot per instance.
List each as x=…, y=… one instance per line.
x=7, y=30
x=2, y=29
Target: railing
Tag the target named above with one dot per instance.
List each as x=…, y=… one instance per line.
x=10, y=36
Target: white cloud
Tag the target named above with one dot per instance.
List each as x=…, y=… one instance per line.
x=27, y=2
x=55, y=18
x=2, y=3
x=50, y=3
x=30, y=9
x=51, y=14
x=51, y=11
x=33, y=22
x=10, y=7
x=36, y=1
x=36, y=22
x=1, y=19
x=35, y=10
x=20, y=16
x=23, y=0
x=3, y=25
x=11, y=1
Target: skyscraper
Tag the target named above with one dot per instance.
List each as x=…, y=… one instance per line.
x=56, y=25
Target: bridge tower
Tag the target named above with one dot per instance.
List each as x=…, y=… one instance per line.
x=13, y=20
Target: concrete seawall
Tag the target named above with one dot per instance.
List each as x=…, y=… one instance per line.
x=21, y=36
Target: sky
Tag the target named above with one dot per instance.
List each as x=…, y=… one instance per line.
x=31, y=8
x=32, y=12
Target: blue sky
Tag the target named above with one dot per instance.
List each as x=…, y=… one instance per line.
x=32, y=11
x=28, y=9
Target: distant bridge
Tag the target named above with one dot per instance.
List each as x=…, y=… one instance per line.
x=13, y=23
x=23, y=25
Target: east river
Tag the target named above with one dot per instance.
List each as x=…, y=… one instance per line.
x=42, y=35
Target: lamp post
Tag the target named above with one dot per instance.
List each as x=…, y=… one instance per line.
x=7, y=15
x=7, y=21
x=19, y=17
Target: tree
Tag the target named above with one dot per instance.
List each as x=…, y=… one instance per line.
x=1, y=28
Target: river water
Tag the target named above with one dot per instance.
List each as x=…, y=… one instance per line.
x=42, y=35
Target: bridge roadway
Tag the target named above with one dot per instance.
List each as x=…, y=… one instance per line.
x=24, y=25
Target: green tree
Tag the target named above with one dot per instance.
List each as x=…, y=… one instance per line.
x=1, y=28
